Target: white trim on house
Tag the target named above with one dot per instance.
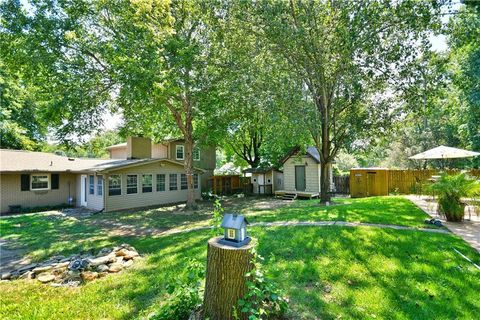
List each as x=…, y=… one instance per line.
x=177, y=147
x=83, y=190
x=49, y=181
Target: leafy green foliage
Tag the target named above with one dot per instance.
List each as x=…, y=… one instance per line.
x=449, y=190
x=185, y=295
x=263, y=299
x=217, y=218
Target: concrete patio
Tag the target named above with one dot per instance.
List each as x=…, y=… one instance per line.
x=468, y=230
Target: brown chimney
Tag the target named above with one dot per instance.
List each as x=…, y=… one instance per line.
x=139, y=148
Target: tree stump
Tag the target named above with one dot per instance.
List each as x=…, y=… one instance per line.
x=225, y=279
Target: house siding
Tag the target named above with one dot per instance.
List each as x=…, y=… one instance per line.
x=10, y=193
x=207, y=160
x=312, y=173
x=128, y=201
x=118, y=153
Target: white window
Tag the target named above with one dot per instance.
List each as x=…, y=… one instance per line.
x=196, y=154
x=99, y=185
x=115, y=185
x=160, y=182
x=40, y=182
x=147, y=183
x=132, y=183
x=91, y=184
x=195, y=180
x=231, y=233
x=183, y=181
x=172, y=179
x=179, y=152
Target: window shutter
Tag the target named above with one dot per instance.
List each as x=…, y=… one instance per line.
x=25, y=182
x=55, y=180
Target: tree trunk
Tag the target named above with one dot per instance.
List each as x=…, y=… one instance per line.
x=191, y=204
x=324, y=182
x=225, y=279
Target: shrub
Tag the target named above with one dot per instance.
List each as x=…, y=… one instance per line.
x=185, y=294
x=449, y=190
x=263, y=299
x=217, y=218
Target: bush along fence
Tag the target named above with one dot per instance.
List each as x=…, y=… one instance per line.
x=412, y=181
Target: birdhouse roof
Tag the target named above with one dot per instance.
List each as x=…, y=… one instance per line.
x=234, y=221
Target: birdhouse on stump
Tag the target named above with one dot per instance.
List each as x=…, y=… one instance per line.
x=235, y=230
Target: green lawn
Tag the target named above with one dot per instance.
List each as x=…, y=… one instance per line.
x=327, y=272
x=384, y=210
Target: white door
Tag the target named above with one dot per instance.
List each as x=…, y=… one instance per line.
x=83, y=191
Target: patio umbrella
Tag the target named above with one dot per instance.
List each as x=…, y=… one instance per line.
x=443, y=152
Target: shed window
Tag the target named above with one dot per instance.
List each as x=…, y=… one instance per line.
x=172, y=181
x=99, y=185
x=183, y=182
x=114, y=185
x=196, y=154
x=195, y=180
x=179, y=152
x=132, y=183
x=39, y=182
x=231, y=233
x=147, y=183
x=91, y=184
x=160, y=182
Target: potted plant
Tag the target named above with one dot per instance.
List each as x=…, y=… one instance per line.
x=449, y=190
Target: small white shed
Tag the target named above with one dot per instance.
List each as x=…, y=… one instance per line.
x=302, y=173
x=265, y=181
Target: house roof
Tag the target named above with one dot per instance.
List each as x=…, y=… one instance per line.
x=116, y=146
x=310, y=151
x=234, y=221
x=30, y=161
x=260, y=170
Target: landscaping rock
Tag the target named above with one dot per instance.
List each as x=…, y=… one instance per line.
x=115, y=267
x=89, y=275
x=76, y=269
x=104, y=252
x=27, y=267
x=130, y=255
x=6, y=276
x=42, y=269
x=27, y=275
x=128, y=263
x=62, y=264
x=102, y=260
x=121, y=252
x=102, y=268
x=73, y=275
x=45, y=277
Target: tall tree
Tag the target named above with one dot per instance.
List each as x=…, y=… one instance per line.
x=148, y=59
x=346, y=53
x=257, y=93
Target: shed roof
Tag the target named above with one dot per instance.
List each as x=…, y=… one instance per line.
x=234, y=221
x=30, y=161
x=260, y=170
x=310, y=151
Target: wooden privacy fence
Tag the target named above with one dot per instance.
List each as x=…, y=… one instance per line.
x=342, y=184
x=411, y=181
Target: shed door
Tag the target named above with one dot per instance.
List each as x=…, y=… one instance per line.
x=371, y=183
x=300, y=178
